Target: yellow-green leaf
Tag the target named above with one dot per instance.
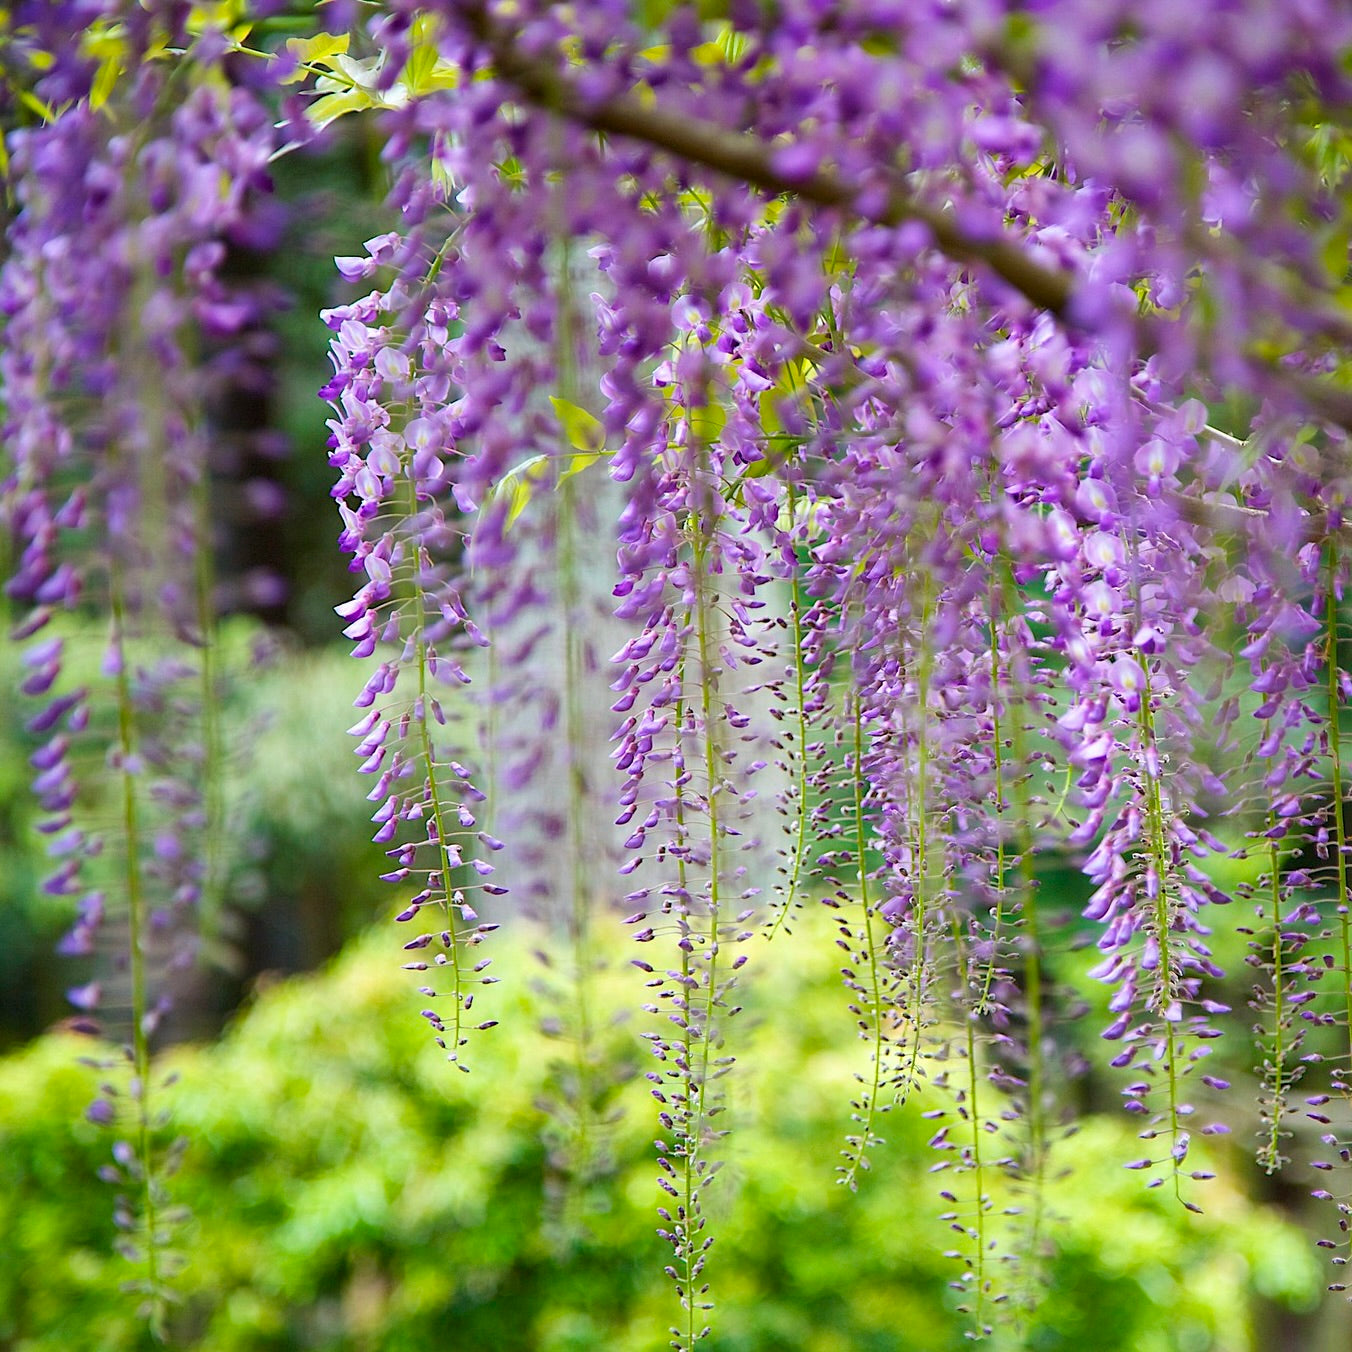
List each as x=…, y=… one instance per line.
x=425, y=70
x=222, y=16
x=577, y=463
x=519, y=495
x=36, y=105
x=707, y=422
x=315, y=51
x=518, y=484
x=105, y=81
x=332, y=106
x=793, y=377
x=584, y=430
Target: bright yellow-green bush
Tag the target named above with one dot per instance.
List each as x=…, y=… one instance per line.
x=351, y=1191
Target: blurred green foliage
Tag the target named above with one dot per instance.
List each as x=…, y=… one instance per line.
x=299, y=872
x=30, y=923
x=333, y=197
x=349, y=1190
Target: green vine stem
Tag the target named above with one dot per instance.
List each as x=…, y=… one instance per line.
x=1275, y=1073
x=213, y=767
x=801, y=815
x=1165, y=997
x=453, y=940
x=920, y=911
x=1009, y=791
x=969, y=1107
x=1336, y=771
x=134, y=883
x=873, y=1011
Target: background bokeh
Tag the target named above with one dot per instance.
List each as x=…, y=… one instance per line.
x=347, y=1190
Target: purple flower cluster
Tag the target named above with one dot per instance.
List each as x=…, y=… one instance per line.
x=905, y=324
x=967, y=378
x=394, y=443
x=125, y=199
x=122, y=218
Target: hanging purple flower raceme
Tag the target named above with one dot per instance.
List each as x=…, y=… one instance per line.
x=920, y=297
x=689, y=745
x=1123, y=635
x=1265, y=715
x=1289, y=600
x=124, y=204
x=391, y=445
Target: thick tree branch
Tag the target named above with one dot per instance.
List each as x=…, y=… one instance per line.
x=749, y=160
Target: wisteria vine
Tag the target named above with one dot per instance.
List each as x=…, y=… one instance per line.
x=950, y=400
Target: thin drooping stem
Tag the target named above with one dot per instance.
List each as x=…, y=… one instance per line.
x=873, y=994
x=1010, y=793
x=704, y=625
x=991, y=966
x=802, y=814
x=1332, y=671
x=436, y=803
x=1038, y=1144
x=134, y=883
x=976, y=1231
x=689, y=1195
x=686, y=1122
x=1166, y=983
x=213, y=767
x=445, y=863
x=920, y=904
x=1269, y=1153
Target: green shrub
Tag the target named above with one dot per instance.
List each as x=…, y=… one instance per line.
x=349, y=1190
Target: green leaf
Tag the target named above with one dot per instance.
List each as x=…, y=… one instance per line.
x=35, y=105
x=793, y=377
x=425, y=71
x=315, y=51
x=519, y=485
x=577, y=463
x=332, y=106
x=707, y=422
x=228, y=17
x=105, y=81
x=583, y=430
